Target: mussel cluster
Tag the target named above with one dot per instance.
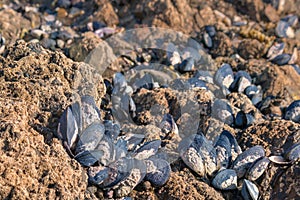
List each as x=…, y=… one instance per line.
x=114, y=162
x=225, y=164
x=118, y=161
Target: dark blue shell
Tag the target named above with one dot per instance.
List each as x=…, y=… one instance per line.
x=98, y=174
x=251, y=90
x=187, y=65
x=68, y=128
x=242, y=163
x=223, y=150
x=207, y=40
x=158, y=171
x=210, y=30
x=112, y=129
x=281, y=59
x=222, y=111
x=148, y=149
x=293, y=112
x=90, y=137
x=224, y=76
x=88, y=158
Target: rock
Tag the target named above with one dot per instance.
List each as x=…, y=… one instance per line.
x=41, y=84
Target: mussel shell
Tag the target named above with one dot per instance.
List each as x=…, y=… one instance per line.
x=207, y=152
x=158, y=171
x=283, y=29
x=67, y=128
x=256, y=98
x=187, y=65
x=89, y=110
x=225, y=180
x=222, y=111
x=193, y=160
x=293, y=112
x=207, y=40
x=108, y=148
x=258, y=168
x=133, y=140
x=275, y=50
x=90, y=137
x=97, y=174
x=210, y=30
x=235, y=84
x=293, y=153
x=121, y=148
x=119, y=81
x=168, y=125
x=89, y=157
x=118, y=171
x=147, y=150
x=224, y=76
x=251, y=90
x=279, y=160
x=136, y=175
x=249, y=190
x=245, y=159
x=112, y=129
x=223, y=151
x=281, y=59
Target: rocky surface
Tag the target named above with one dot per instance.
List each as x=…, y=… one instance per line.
x=37, y=84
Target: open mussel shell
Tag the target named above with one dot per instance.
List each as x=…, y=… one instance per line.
x=275, y=50
x=225, y=180
x=279, y=160
x=147, y=150
x=245, y=159
x=249, y=190
x=293, y=153
x=158, y=171
x=90, y=137
x=258, y=168
x=68, y=128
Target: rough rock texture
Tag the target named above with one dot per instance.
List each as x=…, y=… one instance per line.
x=36, y=85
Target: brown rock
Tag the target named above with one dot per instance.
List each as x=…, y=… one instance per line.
x=251, y=49
x=36, y=85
